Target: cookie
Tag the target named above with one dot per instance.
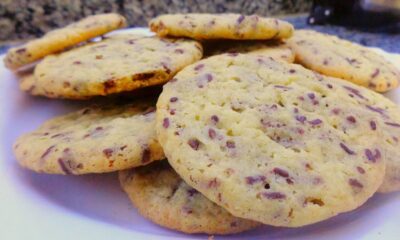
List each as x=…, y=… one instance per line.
x=271, y=141
x=339, y=58
x=388, y=116
x=274, y=49
x=220, y=26
x=61, y=39
x=92, y=140
x=117, y=64
x=27, y=84
x=162, y=196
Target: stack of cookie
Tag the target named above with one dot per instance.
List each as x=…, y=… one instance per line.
x=243, y=137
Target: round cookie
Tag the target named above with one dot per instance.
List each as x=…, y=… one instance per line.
x=93, y=140
x=388, y=116
x=220, y=26
x=117, y=64
x=60, y=39
x=272, y=142
x=274, y=49
x=339, y=58
x=27, y=83
x=163, y=197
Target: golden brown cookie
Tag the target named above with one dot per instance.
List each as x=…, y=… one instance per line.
x=60, y=39
x=117, y=64
x=220, y=26
x=162, y=196
x=271, y=141
x=339, y=58
x=275, y=49
x=93, y=140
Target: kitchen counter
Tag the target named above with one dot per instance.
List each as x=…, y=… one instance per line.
x=385, y=41
x=24, y=19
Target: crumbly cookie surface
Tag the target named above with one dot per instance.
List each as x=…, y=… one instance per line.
x=220, y=26
x=60, y=39
x=271, y=141
x=93, y=140
x=275, y=49
x=119, y=63
x=339, y=58
x=163, y=197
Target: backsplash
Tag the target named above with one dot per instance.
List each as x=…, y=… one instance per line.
x=22, y=19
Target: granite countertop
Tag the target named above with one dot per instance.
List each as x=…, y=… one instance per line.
x=26, y=19
x=385, y=41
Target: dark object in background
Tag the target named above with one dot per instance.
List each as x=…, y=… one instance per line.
x=361, y=14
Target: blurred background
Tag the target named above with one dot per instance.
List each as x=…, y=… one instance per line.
x=20, y=19
x=369, y=22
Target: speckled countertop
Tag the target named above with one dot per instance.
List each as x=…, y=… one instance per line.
x=24, y=19
x=388, y=42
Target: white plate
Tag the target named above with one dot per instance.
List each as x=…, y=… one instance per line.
x=38, y=206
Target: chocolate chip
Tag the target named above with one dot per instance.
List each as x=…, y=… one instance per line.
x=214, y=119
x=108, y=152
x=166, y=68
x=373, y=157
x=301, y=118
x=48, y=150
x=64, y=167
x=375, y=73
x=230, y=144
x=198, y=67
x=282, y=87
x=123, y=147
x=281, y=172
x=351, y=119
x=146, y=154
x=392, y=124
x=377, y=109
x=212, y=133
x=240, y=19
x=194, y=143
x=351, y=61
x=209, y=77
x=311, y=96
x=213, y=183
x=315, y=122
x=21, y=50
x=166, y=122
x=66, y=84
x=360, y=170
x=274, y=195
x=254, y=179
x=347, y=149
x=191, y=192
x=144, y=76
x=109, y=84
x=354, y=91
x=355, y=183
